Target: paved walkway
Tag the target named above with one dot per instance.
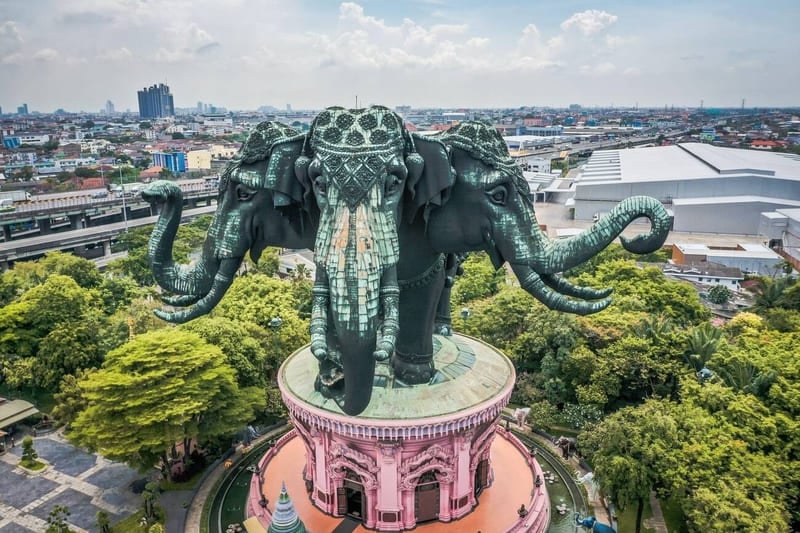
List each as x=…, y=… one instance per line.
x=84, y=482
x=657, y=520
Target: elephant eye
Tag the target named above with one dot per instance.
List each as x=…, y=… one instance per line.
x=392, y=183
x=244, y=194
x=321, y=185
x=497, y=195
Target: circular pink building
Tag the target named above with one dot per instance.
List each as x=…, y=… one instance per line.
x=417, y=453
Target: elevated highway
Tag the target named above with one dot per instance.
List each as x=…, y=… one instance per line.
x=88, y=242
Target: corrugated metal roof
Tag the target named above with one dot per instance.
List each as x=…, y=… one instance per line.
x=15, y=411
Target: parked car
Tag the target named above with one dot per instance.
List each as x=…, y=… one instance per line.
x=100, y=194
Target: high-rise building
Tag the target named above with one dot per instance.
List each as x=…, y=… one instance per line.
x=175, y=161
x=109, y=107
x=156, y=102
x=22, y=110
x=199, y=107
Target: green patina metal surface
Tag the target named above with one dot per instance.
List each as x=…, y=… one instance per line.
x=341, y=189
x=469, y=373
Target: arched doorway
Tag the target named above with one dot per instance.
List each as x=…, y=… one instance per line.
x=426, y=498
x=481, y=476
x=351, y=498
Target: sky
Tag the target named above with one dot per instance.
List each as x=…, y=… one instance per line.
x=242, y=54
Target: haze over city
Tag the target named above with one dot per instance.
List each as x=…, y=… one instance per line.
x=243, y=54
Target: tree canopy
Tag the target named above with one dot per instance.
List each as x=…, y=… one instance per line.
x=159, y=388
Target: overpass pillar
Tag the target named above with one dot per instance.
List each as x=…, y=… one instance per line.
x=7, y=232
x=87, y=221
x=208, y=201
x=74, y=222
x=44, y=226
x=106, y=248
x=155, y=209
x=192, y=203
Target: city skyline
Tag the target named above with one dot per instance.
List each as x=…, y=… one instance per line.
x=242, y=54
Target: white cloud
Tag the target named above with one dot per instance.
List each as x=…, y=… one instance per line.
x=46, y=55
x=10, y=39
x=115, y=54
x=598, y=69
x=185, y=42
x=589, y=22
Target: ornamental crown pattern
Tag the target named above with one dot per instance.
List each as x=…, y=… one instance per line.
x=372, y=129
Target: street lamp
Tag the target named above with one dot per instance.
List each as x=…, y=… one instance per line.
x=124, y=206
x=465, y=314
x=275, y=324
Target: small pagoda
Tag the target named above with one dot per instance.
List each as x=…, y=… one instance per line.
x=285, y=519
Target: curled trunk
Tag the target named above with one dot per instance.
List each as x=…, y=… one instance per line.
x=194, y=281
x=550, y=257
x=222, y=281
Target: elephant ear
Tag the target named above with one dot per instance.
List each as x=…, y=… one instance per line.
x=280, y=173
x=429, y=186
x=266, y=161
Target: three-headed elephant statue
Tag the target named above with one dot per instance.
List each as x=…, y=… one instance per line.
x=387, y=213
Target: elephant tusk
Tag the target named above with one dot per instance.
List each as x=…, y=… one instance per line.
x=320, y=295
x=533, y=284
x=222, y=281
x=181, y=300
x=565, y=287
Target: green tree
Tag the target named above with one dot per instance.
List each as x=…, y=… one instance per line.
x=103, y=521
x=702, y=343
x=150, y=500
x=50, y=145
x=26, y=173
x=145, y=125
x=243, y=345
x=479, y=280
x=158, y=389
x=258, y=299
x=165, y=174
x=629, y=450
x=719, y=294
x=67, y=348
x=86, y=172
x=57, y=520
x=29, y=455
x=69, y=400
x=769, y=292
x=178, y=135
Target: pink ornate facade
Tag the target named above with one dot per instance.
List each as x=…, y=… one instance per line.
x=395, y=473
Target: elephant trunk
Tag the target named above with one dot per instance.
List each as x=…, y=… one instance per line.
x=358, y=367
x=356, y=319
x=195, y=281
x=222, y=281
x=550, y=257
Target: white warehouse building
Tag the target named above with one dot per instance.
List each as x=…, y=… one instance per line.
x=708, y=189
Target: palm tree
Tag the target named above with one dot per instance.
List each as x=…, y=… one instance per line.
x=702, y=343
x=768, y=292
x=745, y=377
x=654, y=327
